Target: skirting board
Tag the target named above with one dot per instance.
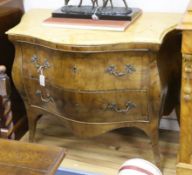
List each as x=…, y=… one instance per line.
x=169, y=122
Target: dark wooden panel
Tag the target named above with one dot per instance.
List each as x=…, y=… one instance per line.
x=10, y=15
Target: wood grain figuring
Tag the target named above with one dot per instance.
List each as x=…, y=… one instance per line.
x=94, y=81
x=144, y=30
x=137, y=63
x=110, y=103
x=185, y=152
x=18, y=158
x=84, y=104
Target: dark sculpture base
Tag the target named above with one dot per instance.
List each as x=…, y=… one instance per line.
x=107, y=13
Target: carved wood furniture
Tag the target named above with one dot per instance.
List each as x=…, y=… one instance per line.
x=184, y=166
x=10, y=15
x=19, y=158
x=95, y=81
x=6, y=120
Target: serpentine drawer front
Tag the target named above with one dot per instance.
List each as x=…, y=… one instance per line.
x=88, y=71
x=95, y=81
x=83, y=106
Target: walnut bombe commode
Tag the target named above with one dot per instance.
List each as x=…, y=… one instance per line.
x=96, y=81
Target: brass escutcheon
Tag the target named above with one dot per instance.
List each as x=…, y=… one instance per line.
x=129, y=69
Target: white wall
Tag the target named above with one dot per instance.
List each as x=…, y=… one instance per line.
x=145, y=5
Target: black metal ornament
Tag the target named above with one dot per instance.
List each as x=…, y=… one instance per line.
x=97, y=12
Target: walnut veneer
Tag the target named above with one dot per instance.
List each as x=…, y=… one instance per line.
x=19, y=158
x=95, y=81
x=184, y=166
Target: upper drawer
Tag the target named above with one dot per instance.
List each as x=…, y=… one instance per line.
x=88, y=71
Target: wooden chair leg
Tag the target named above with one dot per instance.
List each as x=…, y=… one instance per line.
x=6, y=118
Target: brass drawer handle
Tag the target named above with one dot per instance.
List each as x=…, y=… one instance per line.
x=39, y=67
x=45, y=99
x=129, y=69
x=113, y=106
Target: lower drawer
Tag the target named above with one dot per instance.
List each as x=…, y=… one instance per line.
x=90, y=106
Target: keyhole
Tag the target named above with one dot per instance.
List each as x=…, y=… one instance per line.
x=74, y=69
